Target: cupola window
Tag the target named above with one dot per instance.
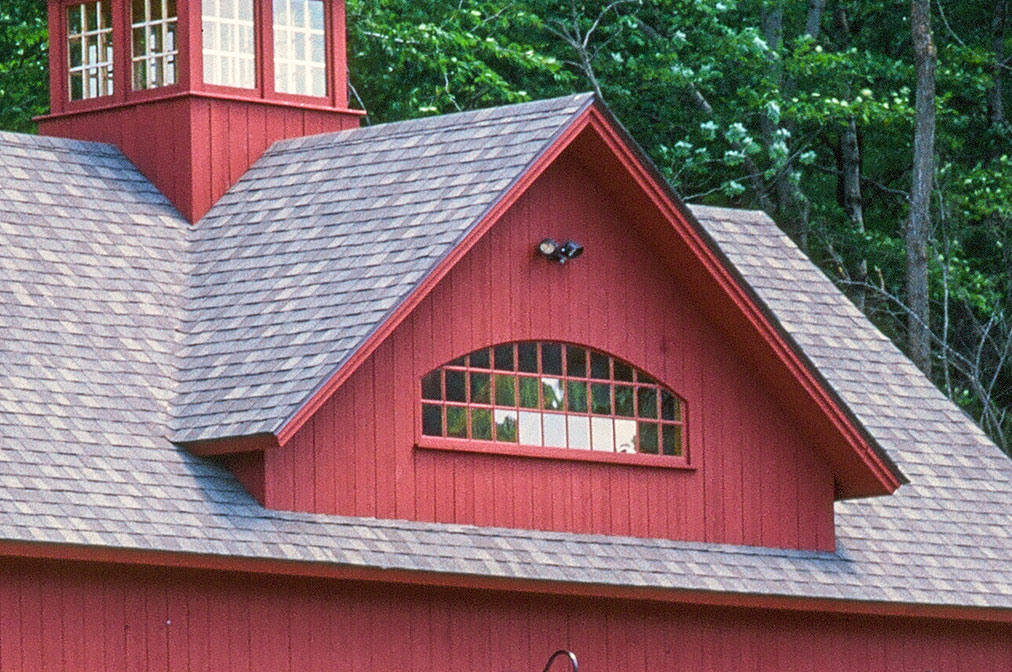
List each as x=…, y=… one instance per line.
x=154, y=43
x=89, y=42
x=299, y=53
x=229, y=58
x=552, y=395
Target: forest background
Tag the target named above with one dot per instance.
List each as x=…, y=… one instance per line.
x=875, y=132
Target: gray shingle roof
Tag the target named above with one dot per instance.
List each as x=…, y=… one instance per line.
x=293, y=268
x=93, y=265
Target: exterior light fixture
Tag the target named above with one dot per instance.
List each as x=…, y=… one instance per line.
x=548, y=248
x=551, y=249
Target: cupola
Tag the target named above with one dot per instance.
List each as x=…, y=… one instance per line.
x=194, y=91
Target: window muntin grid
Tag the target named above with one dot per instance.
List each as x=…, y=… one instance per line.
x=299, y=48
x=89, y=50
x=153, y=24
x=552, y=395
x=229, y=58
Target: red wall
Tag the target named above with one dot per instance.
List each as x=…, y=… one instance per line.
x=194, y=148
x=755, y=481
x=75, y=617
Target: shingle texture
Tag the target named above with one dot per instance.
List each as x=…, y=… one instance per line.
x=321, y=239
x=103, y=288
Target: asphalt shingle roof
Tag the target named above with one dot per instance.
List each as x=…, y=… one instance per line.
x=106, y=294
x=294, y=266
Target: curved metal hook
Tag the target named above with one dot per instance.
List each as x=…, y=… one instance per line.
x=563, y=652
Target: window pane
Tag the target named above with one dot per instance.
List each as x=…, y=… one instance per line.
x=89, y=50
x=228, y=43
x=672, y=439
x=625, y=436
x=456, y=421
x=579, y=431
x=432, y=420
x=648, y=437
x=432, y=385
x=601, y=434
x=551, y=359
x=505, y=395
x=551, y=392
x=154, y=44
x=298, y=47
x=601, y=398
x=577, y=391
x=481, y=424
x=555, y=430
x=455, y=386
x=576, y=361
x=529, y=428
x=527, y=354
x=479, y=359
x=506, y=426
x=528, y=392
x=646, y=402
x=670, y=408
x=482, y=396
x=624, y=400
x=504, y=358
x=481, y=388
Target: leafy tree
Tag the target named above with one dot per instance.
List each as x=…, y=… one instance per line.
x=24, y=82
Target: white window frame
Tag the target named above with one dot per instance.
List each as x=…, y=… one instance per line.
x=158, y=65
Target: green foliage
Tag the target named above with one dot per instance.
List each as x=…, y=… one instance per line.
x=24, y=79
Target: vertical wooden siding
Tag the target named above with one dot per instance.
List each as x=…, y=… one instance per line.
x=755, y=481
x=194, y=148
x=74, y=617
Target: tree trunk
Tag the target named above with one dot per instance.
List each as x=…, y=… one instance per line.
x=995, y=101
x=853, y=204
x=792, y=204
x=919, y=224
x=814, y=19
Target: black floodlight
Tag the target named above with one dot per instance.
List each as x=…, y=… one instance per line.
x=560, y=253
x=570, y=250
x=548, y=248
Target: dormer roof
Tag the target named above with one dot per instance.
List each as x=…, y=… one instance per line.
x=94, y=262
x=321, y=239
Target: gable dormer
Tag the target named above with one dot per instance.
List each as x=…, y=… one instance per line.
x=472, y=367
x=194, y=91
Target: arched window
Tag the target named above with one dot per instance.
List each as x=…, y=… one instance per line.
x=552, y=395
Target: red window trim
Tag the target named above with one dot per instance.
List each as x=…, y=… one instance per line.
x=471, y=445
x=424, y=442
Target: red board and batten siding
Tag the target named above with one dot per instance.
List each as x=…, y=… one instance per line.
x=194, y=140
x=193, y=148
x=753, y=477
x=79, y=617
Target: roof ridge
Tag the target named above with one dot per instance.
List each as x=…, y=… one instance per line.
x=409, y=126
x=18, y=139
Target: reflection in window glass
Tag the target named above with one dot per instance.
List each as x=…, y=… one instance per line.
x=153, y=23
x=555, y=430
x=625, y=436
x=551, y=390
x=299, y=48
x=89, y=49
x=603, y=432
x=579, y=431
x=505, y=425
x=228, y=43
x=530, y=428
x=552, y=395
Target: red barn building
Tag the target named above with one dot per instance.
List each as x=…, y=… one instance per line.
x=282, y=393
